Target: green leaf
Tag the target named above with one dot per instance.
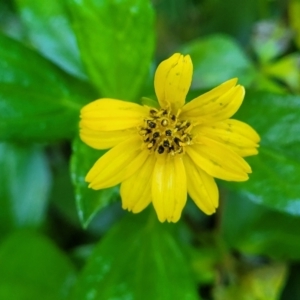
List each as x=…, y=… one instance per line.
x=33, y=268
x=88, y=201
x=9, y=23
x=38, y=101
x=256, y=283
x=264, y=82
x=286, y=69
x=275, y=178
x=232, y=18
x=292, y=288
x=255, y=229
x=50, y=31
x=116, y=40
x=270, y=40
x=216, y=59
x=294, y=10
x=25, y=183
x=138, y=259
x=62, y=196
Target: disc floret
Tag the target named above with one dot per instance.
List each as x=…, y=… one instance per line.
x=165, y=133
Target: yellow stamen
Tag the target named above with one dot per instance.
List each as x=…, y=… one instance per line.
x=164, y=132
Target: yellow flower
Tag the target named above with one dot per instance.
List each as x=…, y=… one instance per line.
x=160, y=155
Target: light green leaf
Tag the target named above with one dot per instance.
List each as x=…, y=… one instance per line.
x=50, y=32
x=88, y=201
x=275, y=178
x=270, y=40
x=264, y=82
x=286, y=69
x=25, y=183
x=294, y=11
x=38, y=101
x=116, y=40
x=33, y=268
x=217, y=58
x=138, y=259
x=255, y=283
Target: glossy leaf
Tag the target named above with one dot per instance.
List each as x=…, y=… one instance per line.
x=24, y=190
x=38, y=101
x=254, y=229
x=33, y=268
x=50, y=32
x=138, y=259
x=88, y=201
x=217, y=58
x=116, y=40
x=275, y=178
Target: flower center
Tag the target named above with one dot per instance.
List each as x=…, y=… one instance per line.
x=163, y=132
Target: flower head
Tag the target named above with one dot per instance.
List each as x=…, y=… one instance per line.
x=160, y=155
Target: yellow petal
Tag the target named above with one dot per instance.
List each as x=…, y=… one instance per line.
x=212, y=108
x=218, y=160
x=110, y=114
x=136, y=190
x=104, y=139
x=211, y=95
x=169, y=190
x=243, y=152
x=201, y=187
x=237, y=135
x=117, y=164
x=172, y=81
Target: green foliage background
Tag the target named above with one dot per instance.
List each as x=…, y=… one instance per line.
x=60, y=240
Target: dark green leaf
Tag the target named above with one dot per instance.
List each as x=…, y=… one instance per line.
x=38, y=101
x=254, y=229
x=50, y=31
x=292, y=288
x=234, y=19
x=275, y=178
x=216, y=59
x=62, y=193
x=116, y=40
x=10, y=23
x=33, y=268
x=138, y=259
x=24, y=190
x=88, y=201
